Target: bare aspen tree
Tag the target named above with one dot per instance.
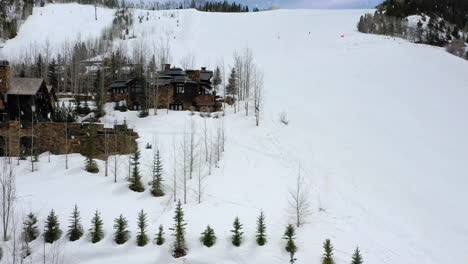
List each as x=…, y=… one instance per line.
x=174, y=169
x=217, y=147
x=184, y=163
x=210, y=156
x=205, y=139
x=106, y=149
x=258, y=94
x=299, y=201
x=223, y=135
x=188, y=61
x=200, y=181
x=7, y=195
x=247, y=60
x=164, y=54
x=192, y=146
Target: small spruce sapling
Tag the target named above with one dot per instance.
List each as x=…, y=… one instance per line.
x=237, y=234
x=289, y=236
x=75, y=229
x=52, y=228
x=160, y=236
x=96, y=230
x=261, y=230
x=121, y=232
x=180, y=249
x=90, y=151
x=30, y=229
x=142, y=237
x=328, y=255
x=208, y=237
x=357, y=258
x=135, y=179
x=157, y=186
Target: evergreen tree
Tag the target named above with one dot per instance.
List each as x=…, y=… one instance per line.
x=160, y=236
x=328, y=255
x=237, y=234
x=261, y=230
x=96, y=230
x=52, y=74
x=52, y=230
x=30, y=229
x=135, y=179
x=231, y=87
x=180, y=249
x=289, y=236
x=90, y=149
x=75, y=229
x=156, y=186
x=142, y=238
x=38, y=66
x=217, y=79
x=121, y=232
x=357, y=258
x=99, y=98
x=208, y=237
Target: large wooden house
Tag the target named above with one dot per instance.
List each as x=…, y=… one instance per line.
x=172, y=88
x=24, y=98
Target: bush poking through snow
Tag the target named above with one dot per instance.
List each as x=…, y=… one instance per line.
x=283, y=117
x=289, y=236
x=30, y=230
x=142, y=238
x=208, y=237
x=237, y=234
x=261, y=230
x=180, y=249
x=96, y=231
x=75, y=229
x=52, y=228
x=121, y=232
x=160, y=236
x=328, y=255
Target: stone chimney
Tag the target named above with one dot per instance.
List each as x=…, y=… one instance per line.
x=167, y=67
x=5, y=77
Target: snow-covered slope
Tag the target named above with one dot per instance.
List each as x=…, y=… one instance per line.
x=376, y=123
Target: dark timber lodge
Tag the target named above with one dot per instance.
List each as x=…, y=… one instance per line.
x=172, y=88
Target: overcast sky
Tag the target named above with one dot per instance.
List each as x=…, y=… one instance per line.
x=315, y=3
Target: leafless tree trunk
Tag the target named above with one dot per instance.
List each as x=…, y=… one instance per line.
x=299, y=201
x=192, y=146
x=7, y=195
x=174, y=170
x=185, y=149
x=200, y=181
x=258, y=94
x=205, y=139
x=248, y=66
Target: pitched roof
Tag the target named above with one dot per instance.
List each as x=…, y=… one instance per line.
x=25, y=86
x=118, y=84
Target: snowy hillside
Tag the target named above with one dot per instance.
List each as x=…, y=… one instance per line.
x=377, y=125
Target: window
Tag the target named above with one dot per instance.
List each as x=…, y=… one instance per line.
x=176, y=107
x=180, y=88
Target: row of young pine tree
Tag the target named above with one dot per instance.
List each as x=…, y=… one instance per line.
x=52, y=233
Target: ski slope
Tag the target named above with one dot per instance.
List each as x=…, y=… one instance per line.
x=377, y=125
